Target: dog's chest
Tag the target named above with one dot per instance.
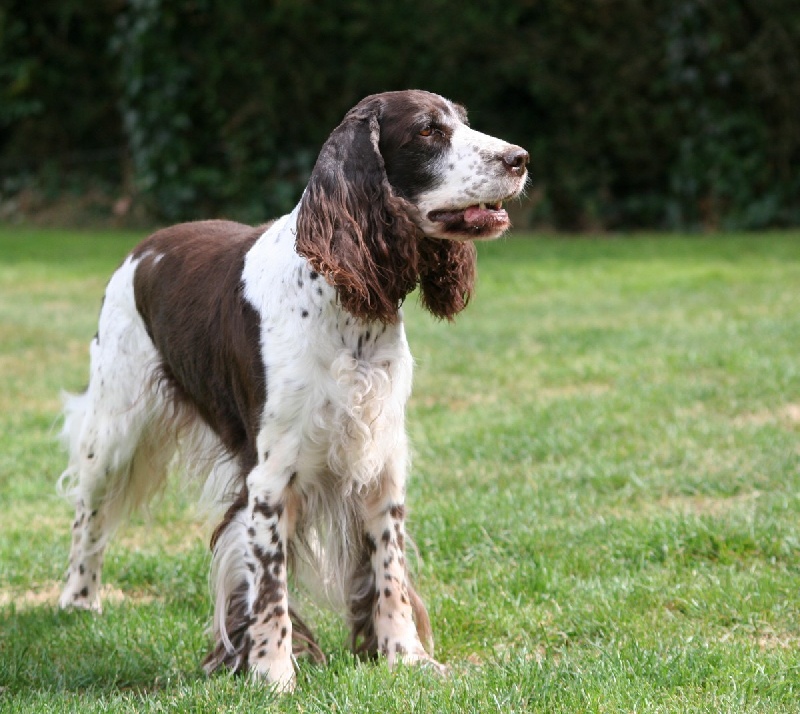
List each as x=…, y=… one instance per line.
x=338, y=390
x=336, y=387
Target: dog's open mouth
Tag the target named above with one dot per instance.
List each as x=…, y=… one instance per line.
x=479, y=220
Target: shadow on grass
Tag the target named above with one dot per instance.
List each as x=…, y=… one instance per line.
x=140, y=648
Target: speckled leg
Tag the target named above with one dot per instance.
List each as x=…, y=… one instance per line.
x=395, y=630
x=270, y=630
x=385, y=610
x=103, y=482
x=97, y=496
x=85, y=561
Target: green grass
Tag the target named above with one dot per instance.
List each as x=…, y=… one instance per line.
x=605, y=494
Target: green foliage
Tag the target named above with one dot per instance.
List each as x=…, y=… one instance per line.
x=671, y=113
x=57, y=90
x=202, y=132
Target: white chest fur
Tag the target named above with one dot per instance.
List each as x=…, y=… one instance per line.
x=336, y=386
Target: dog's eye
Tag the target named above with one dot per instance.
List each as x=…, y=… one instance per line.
x=431, y=130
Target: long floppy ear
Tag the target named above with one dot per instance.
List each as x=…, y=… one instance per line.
x=447, y=275
x=352, y=228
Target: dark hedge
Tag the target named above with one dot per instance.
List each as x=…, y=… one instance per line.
x=668, y=113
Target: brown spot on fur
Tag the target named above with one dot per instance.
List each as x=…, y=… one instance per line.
x=271, y=587
x=268, y=510
x=271, y=591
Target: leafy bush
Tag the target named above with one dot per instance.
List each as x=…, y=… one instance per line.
x=673, y=113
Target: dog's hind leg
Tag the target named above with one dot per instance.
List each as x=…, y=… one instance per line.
x=117, y=456
x=99, y=477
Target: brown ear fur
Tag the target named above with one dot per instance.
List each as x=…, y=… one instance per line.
x=352, y=228
x=356, y=232
x=447, y=275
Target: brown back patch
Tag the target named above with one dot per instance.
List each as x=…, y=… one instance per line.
x=188, y=289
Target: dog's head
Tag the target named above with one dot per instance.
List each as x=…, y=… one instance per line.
x=399, y=190
x=455, y=177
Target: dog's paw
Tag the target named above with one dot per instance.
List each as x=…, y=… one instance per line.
x=413, y=654
x=80, y=600
x=276, y=671
x=424, y=660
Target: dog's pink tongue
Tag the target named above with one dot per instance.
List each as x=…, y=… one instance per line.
x=476, y=214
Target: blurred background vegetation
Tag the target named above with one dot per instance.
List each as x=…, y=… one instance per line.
x=660, y=114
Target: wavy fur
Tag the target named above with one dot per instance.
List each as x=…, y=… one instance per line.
x=271, y=364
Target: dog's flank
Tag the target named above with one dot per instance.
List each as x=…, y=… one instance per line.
x=271, y=364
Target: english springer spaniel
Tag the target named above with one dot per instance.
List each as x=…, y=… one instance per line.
x=272, y=364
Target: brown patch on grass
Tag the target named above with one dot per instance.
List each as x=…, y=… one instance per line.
x=568, y=391
x=171, y=535
x=478, y=661
x=767, y=640
x=714, y=506
x=777, y=641
x=696, y=505
x=787, y=416
x=48, y=594
x=461, y=403
x=174, y=537
x=488, y=397
x=34, y=518
x=791, y=412
x=24, y=388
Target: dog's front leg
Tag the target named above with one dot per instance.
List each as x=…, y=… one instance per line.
x=398, y=615
x=270, y=630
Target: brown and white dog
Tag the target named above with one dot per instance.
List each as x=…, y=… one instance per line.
x=272, y=363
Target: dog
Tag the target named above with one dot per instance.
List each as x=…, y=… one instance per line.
x=271, y=363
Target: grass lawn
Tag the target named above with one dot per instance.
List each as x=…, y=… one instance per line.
x=605, y=494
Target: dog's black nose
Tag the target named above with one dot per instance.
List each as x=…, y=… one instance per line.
x=516, y=159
